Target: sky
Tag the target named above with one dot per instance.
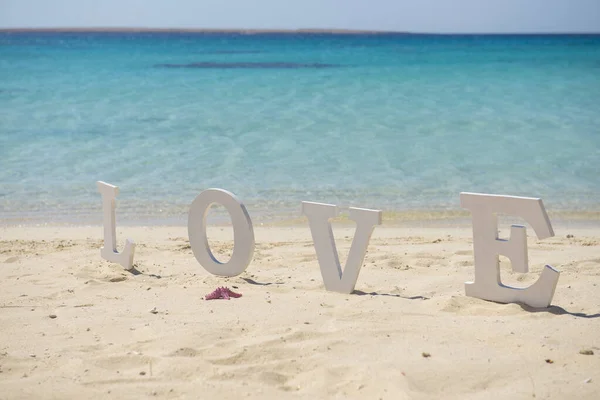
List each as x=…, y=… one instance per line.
x=432, y=16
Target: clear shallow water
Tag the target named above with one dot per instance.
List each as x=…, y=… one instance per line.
x=397, y=122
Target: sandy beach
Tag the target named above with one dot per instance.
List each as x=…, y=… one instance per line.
x=75, y=326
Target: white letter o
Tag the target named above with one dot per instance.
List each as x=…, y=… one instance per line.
x=243, y=233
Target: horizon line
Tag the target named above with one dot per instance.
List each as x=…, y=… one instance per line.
x=101, y=29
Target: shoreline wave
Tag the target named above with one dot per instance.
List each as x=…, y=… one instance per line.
x=283, y=217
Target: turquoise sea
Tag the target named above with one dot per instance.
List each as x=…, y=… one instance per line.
x=393, y=121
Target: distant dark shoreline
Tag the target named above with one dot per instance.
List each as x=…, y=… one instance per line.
x=276, y=31
x=200, y=30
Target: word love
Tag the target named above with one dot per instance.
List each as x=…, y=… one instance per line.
x=487, y=246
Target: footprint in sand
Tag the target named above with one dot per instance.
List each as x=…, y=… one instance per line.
x=464, y=253
x=184, y=352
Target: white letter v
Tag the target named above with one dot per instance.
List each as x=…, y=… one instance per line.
x=319, y=216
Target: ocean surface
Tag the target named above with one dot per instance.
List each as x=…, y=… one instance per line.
x=397, y=122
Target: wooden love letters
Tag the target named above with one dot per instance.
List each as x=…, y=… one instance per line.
x=487, y=246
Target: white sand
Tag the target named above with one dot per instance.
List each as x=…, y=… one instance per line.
x=287, y=337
